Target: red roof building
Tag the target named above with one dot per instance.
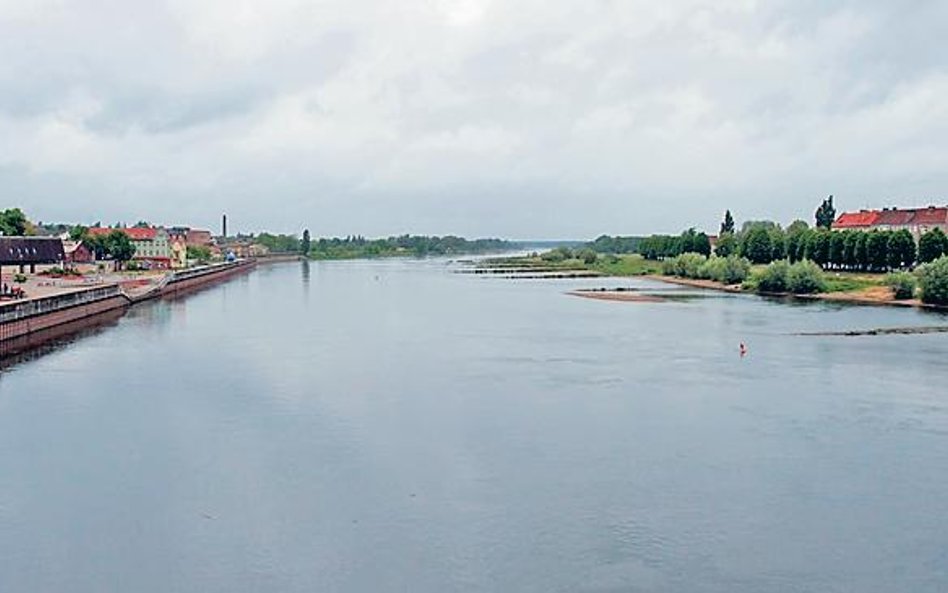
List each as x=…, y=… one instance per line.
x=863, y=219
x=134, y=233
x=152, y=245
x=916, y=220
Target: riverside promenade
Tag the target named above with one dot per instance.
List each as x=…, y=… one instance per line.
x=29, y=322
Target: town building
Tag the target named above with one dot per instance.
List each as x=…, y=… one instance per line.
x=77, y=252
x=193, y=237
x=28, y=252
x=179, y=252
x=917, y=221
x=199, y=238
x=152, y=245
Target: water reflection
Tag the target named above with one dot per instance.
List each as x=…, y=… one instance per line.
x=32, y=346
x=426, y=431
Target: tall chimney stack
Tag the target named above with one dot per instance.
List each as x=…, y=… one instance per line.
x=224, y=225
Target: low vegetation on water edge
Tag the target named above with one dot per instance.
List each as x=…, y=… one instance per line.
x=903, y=285
x=802, y=277
x=565, y=259
x=933, y=282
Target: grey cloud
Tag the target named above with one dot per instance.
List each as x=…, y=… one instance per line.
x=525, y=119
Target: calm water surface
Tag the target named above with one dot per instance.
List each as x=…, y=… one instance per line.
x=391, y=426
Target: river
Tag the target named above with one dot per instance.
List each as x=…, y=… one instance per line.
x=391, y=426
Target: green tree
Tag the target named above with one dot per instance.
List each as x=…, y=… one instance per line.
x=199, y=253
x=305, y=243
x=837, y=250
x=778, y=244
x=817, y=246
x=79, y=233
x=119, y=247
x=796, y=240
x=826, y=214
x=13, y=222
x=727, y=225
x=797, y=226
x=756, y=245
x=877, y=250
x=97, y=244
x=901, y=249
x=701, y=244
x=850, y=240
x=686, y=241
x=862, y=250
x=932, y=245
x=726, y=245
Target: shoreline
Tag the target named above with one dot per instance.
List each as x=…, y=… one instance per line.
x=24, y=322
x=872, y=297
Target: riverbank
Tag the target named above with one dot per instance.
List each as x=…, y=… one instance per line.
x=24, y=322
x=844, y=288
x=871, y=296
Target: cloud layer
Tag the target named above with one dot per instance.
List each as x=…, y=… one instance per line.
x=479, y=117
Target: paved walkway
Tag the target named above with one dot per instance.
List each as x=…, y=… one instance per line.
x=38, y=286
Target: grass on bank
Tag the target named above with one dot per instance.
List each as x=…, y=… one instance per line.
x=610, y=265
x=636, y=265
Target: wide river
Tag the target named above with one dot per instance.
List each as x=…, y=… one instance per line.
x=391, y=426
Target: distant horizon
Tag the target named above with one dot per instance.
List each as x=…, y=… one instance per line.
x=512, y=239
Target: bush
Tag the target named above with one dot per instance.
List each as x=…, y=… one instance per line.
x=588, y=256
x=19, y=278
x=559, y=254
x=686, y=265
x=726, y=270
x=710, y=268
x=902, y=284
x=805, y=277
x=773, y=278
x=734, y=270
x=933, y=282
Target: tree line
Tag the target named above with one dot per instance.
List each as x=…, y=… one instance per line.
x=356, y=246
x=852, y=250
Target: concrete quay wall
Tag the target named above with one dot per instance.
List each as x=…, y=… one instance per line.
x=21, y=318
x=24, y=318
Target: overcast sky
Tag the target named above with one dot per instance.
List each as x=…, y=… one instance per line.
x=514, y=118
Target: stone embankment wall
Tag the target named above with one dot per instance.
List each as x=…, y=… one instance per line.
x=22, y=318
x=189, y=280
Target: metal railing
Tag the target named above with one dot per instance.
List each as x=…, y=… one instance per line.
x=38, y=306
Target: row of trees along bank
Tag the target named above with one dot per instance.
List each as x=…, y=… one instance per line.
x=872, y=251
x=763, y=242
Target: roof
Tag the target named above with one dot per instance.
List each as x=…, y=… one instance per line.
x=852, y=220
x=31, y=250
x=932, y=215
x=134, y=233
x=894, y=217
x=73, y=246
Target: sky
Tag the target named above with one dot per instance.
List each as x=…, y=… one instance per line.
x=524, y=119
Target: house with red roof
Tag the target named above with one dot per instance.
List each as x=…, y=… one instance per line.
x=917, y=221
x=152, y=245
